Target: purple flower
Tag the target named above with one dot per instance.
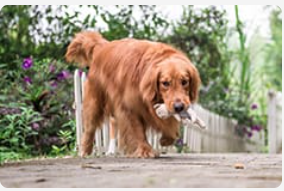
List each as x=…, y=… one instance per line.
x=51, y=68
x=53, y=84
x=27, y=80
x=256, y=128
x=63, y=75
x=35, y=126
x=27, y=63
x=249, y=134
x=179, y=142
x=254, y=106
x=80, y=73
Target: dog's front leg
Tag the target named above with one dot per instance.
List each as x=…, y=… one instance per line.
x=133, y=136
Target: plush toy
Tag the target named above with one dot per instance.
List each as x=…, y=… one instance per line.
x=187, y=117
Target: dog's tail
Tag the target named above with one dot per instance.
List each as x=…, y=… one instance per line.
x=83, y=46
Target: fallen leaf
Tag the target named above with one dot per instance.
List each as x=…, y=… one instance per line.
x=90, y=166
x=239, y=166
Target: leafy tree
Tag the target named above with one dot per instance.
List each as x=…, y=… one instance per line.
x=274, y=50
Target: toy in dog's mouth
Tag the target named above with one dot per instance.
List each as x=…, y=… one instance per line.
x=163, y=112
x=184, y=114
x=185, y=117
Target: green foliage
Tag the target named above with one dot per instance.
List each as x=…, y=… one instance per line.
x=251, y=76
x=243, y=56
x=121, y=22
x=14, y=31
x=273, y=67
x=16, y=134
x=40, y=31
x=45, y=31
x=201, y=34
x=44, y=94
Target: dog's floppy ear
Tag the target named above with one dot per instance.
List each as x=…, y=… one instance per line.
x=194, y=82
x=149, y=84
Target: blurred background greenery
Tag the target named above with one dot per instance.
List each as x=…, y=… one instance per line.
x=36, y=87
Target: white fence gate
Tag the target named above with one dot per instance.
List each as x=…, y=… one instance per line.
x=219, y=136
x=274, y=122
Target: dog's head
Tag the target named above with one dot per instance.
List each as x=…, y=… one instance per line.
x=173, y=81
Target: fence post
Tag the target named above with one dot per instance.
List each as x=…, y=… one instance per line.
x=112, y=137
x=271, y=122
x=78, y=109
x=105, y=135
x=155, y=141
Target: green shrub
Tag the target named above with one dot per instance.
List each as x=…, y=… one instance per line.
x=16, y=133
x=43, y=92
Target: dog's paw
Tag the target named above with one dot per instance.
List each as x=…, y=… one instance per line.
x=144, y=151
x=86, y=150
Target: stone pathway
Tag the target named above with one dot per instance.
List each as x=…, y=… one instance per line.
x=170, y=170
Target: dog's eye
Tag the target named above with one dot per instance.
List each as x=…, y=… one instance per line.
x=184, y=82
x=166, y=84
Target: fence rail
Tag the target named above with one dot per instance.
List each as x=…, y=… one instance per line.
x=220, y=135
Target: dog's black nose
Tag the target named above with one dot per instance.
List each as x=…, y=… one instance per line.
x=178, y=106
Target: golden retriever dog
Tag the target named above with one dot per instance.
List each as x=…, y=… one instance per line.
x=126, y=78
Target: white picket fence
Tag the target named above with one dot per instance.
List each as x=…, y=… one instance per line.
x=219, y=136
x=274, y=124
